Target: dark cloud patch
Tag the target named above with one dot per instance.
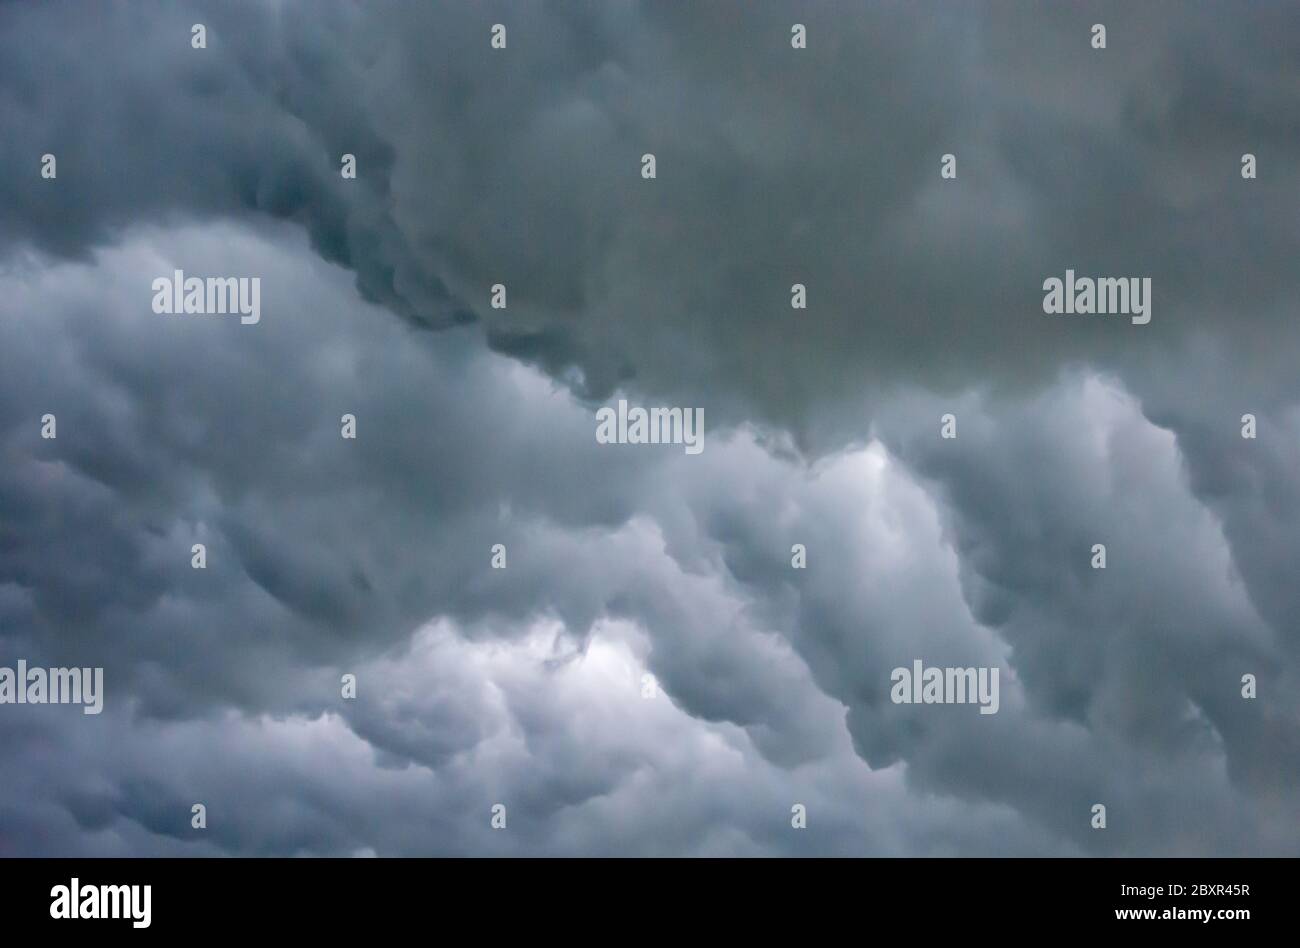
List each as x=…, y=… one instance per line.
x=777, y=166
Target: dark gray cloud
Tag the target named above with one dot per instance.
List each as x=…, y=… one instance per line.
x=523, y=686
x=775, y=167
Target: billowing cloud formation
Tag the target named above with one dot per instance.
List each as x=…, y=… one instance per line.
x=524, y=686
x=776, y=167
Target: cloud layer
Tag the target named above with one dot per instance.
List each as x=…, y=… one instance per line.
x=524, y=686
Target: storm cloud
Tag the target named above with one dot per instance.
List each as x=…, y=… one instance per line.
x=649, y=674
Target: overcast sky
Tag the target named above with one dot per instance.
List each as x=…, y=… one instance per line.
x=476, y=426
